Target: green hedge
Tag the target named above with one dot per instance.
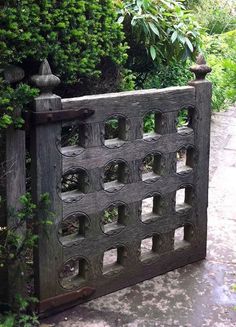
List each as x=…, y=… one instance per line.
x=74, y=35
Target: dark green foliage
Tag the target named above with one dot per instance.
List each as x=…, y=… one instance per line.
x=158, y=32
x=111, y=128
x=81, y=39
x=16, y=249
x=110, y=215
x=149, y=123
x=175, y=74
x=12, y=99
x=73, y=35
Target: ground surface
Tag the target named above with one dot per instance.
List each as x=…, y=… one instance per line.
x=198, y=295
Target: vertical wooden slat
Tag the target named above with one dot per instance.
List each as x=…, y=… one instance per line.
x=46, y=176
x=12, y=187
x=201, y=125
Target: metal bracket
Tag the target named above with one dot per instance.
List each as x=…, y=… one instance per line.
x=40, y=118
x=65, y=299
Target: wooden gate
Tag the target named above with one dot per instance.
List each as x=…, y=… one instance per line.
x=117, y=222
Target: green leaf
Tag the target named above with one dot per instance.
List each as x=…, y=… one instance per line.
x=153, y=52
x=181, y=38
x=145, y=4
x=189, y=44
x=120, y=19
x=154, y=28
x=174, y=36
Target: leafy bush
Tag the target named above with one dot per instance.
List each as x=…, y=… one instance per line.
x=157, y=32
x=11, y=99
x=175, y=74
x=221, y=56
x=216, y=16
x=16, y=251
x=73, y=35
x=79, y=38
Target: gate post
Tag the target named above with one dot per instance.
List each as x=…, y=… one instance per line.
x=201, y=125
x=46, y=174
x=12, y=186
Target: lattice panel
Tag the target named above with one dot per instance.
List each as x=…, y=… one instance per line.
x=127, y=184
x=125, y=209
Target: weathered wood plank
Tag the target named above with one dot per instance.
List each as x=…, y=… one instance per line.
x=201, y=125
x=46, y=174
x=12, y=186
x=133, y=192
x=98, y=156
x=133, y=103
x=134, y=230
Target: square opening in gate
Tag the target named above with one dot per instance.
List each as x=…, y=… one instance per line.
x=115, y=131
x=113, y=218
x=184, y=121
x=151, y=208
x=71, y=135
x=184, y=198
x=113, y=260
x=152, y=125
x=151, y=167
x=72, y=228
x=73, y=273
x=183, y=236
x=149, y=247
x=184, y=160
x=74, y=181
x=116, y=175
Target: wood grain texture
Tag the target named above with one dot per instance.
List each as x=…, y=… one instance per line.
x=201, y=126
x=12, y=188
x=133, y=103
x=138, y=149
x=72, y=263
x=46, y=174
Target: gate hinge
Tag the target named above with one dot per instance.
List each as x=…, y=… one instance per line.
x=63, y=300
x=40, y=118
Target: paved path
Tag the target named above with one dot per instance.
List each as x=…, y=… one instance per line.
x=198, y=295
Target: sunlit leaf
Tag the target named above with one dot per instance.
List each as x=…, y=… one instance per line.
x=120, y=19
x=189, y=44
x=174, y=36
x=153, y=52
x=154, y=28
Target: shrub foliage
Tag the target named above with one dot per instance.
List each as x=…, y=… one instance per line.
x=74, y=35
x=158, y=33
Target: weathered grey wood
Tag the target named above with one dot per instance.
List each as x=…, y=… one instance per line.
x=46, y=176
x=133, y=103
x=129, y=193
x=74, y=262
x=201, y=125
x=138, y=149
x=12, y=187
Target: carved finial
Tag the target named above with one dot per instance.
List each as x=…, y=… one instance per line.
x=200, y=69
x=45, y=80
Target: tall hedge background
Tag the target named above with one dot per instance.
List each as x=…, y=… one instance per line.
x=98, y=46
